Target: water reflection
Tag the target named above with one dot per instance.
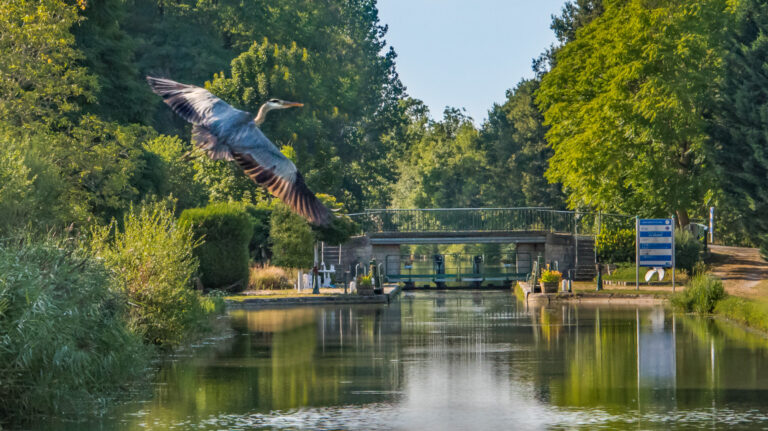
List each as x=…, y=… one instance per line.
x=461, y=360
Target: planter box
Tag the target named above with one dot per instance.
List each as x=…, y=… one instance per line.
x=550, y=287
x=365, y=290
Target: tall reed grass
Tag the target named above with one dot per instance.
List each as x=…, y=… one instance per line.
x=65, y=345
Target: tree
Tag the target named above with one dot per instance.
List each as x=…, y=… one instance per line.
x=109, y=53
x=39, y=82
x=292, y=238
x=739, y=122
x=518, y=153
x=573, y=16
x=626, y=104
x=445, y=168
x=333, y=63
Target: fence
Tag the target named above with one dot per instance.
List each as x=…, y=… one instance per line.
x=488, y=220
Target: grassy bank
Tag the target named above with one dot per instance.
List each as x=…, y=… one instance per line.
x=749, y=312
x=706, y=295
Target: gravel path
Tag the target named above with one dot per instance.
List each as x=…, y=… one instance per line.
x=740, y=268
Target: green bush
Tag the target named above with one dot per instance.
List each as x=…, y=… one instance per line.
x=225, y=230
x=615, y=246
x=65, y=345
x=700, y=296
x=688, y=250
x=153, y=262
x=292, y=239
x=259, y=246
x=745, y=311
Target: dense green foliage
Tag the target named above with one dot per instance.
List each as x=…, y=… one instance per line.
x=292, y=239
x=65, y=346
x=627, y=101
x=615, y=245
x=739, y=124
x=259, y=246
x=224, y=231
x=153, y=261
x=701, y=295
x=688, y=250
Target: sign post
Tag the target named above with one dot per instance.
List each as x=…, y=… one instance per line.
x=655, y=246
x=637, y=253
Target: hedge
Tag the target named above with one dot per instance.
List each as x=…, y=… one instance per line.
x=226, y=230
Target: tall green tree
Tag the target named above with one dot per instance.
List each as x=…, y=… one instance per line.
x=39, y=82
x=627, y=102
x=110, y=52
x=740, y=123
x=518, y=153
x=445, y=168
x=574, y=15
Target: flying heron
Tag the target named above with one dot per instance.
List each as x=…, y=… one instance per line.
x=231, y=134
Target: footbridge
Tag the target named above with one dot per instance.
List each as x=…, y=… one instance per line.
x=562, y=239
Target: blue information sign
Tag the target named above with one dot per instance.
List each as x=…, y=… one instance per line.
x=656, y=243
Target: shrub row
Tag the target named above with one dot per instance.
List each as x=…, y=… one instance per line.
x=618, y=246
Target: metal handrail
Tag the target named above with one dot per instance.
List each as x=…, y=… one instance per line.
x=486, y=220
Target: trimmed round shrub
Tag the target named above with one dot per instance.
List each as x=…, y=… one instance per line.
x=225, y=230
x=292, y=239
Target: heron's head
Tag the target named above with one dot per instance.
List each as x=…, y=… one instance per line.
x=282, y=104
x=273, y=104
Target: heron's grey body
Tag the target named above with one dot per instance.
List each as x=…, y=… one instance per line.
x=231, y=134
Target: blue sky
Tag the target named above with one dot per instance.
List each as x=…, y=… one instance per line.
x=466, y=53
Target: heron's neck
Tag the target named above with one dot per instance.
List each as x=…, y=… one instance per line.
x=262, y=115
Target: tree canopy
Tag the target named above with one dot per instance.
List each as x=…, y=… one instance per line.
x=627, y=103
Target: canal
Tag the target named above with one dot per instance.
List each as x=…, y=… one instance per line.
x=460, y=360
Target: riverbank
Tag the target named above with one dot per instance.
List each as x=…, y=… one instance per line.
x=587, y=295
x=294, y=298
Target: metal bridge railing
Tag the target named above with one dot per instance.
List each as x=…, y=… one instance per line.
x=487, y=220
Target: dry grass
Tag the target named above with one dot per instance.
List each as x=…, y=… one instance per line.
x=269, y=278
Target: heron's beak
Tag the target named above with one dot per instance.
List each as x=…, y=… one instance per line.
x=293, y=105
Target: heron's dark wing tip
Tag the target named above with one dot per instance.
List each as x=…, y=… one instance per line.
x=294, y=193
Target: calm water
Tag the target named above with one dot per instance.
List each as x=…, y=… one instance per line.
x=461, y=360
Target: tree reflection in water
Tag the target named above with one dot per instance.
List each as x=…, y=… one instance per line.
x=457, y=360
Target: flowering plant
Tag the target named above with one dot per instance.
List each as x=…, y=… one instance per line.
x=548, y=276
x=365, y=281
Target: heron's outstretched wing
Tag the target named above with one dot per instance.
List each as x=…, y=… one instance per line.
x=261, y=160
x=228, y=133
x=293, y=191
x=211, y=116
x=194, y=104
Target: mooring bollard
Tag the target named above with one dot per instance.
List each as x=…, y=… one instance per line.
x=599, y=268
